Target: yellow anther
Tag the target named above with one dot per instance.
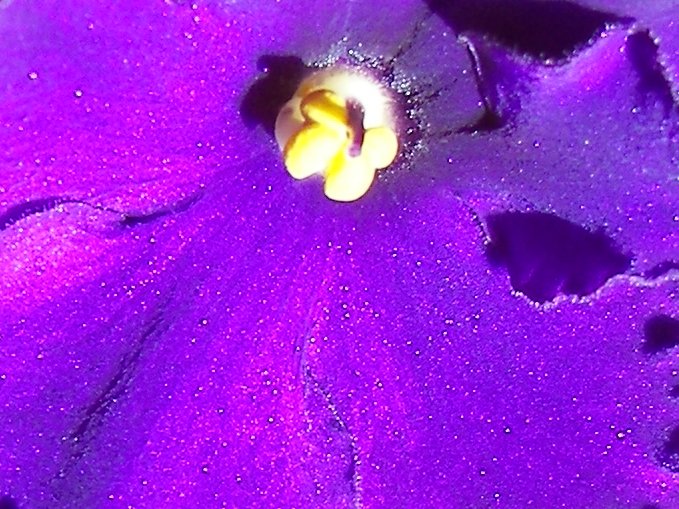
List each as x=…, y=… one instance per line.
x=311, y=150
x=380, y=146
x=348, y=178
x=326, y=108
x=319, y=135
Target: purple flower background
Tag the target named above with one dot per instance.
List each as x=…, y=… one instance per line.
x=493, y=325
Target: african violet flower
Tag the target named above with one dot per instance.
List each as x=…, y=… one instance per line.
x=491, y=325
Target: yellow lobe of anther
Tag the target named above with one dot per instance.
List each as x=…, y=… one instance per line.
x=323, y=135
x=311, y=150
x=326, y=108
x=380, y=146
x=318, y=136
x=348, y=178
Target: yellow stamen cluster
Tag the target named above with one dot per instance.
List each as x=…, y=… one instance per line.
x=318, y=135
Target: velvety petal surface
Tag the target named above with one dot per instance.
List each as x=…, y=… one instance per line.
x=593, y=134
x=184, y=325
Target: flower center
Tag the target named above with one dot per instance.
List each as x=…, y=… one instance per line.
x=339, y=124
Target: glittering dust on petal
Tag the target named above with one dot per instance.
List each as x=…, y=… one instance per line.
x=183, y=325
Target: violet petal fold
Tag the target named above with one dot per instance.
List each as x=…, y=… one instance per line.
x=495, y=324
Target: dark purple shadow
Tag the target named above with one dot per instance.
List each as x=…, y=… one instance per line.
x=546, y=255
x=265, y=98
x=661, y=332
x=542, y=29
x=669, y=454
x=643, y=53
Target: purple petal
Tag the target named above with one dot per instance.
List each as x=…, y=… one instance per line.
x=184, y=325
x=589, y=143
